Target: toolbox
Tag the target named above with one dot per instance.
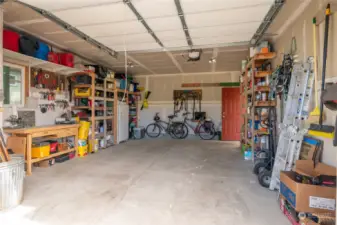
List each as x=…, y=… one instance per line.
x=40, y=150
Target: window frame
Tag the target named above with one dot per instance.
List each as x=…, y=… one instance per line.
x=23, y=76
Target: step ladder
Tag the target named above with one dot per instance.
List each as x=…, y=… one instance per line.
x=296, y=112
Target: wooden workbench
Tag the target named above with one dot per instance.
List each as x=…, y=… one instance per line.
x=53, y=132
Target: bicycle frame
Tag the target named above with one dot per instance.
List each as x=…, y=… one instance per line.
x=161, y=123
x=195, y=129
x=165, y=126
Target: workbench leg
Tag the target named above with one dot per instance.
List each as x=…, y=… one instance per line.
x=29, y=155
x=76, y=143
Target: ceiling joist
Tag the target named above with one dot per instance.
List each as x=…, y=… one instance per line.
x=71, y=29
x=141, y=19
x=183, y=23
x=268, y=19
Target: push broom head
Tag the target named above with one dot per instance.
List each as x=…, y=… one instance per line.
x=314, y=116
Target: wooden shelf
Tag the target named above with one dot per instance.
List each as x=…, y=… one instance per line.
x=99, y=108
x=98, y=98
x=110, y=90
x=261, y=56
x=265, y=103
x=109, y=99
x=80, y=97
x=99, y=88
x=261, y=74
x=99, y=135
x=82, y=86
x=259, y=132
x=53, y=155
x=25, y=60
x=99, y=118
x=80, y=107
x=103, y=118
x=262, y=88
x=134, y=93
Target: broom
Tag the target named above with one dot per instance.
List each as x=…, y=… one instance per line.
x=320, y=129
x=314, y=115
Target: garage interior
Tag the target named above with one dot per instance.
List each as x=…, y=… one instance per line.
x=168, y=112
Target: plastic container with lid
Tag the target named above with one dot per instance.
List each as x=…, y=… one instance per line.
x=40, y=150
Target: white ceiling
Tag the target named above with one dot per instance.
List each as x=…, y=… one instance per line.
x=210, y=22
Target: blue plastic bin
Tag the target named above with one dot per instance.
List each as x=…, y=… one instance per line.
x=42, y=51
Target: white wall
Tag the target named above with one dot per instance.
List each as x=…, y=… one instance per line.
x=302, y=30
x=162, y=87
x=213, y=110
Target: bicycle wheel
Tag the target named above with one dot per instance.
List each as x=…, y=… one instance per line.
x=153, y=130
x=180, y=130
x=206, y=132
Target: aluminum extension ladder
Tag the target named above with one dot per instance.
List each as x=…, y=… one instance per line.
x=296, y=112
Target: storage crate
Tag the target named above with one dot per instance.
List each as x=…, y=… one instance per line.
x=82, y=92
x=40, y=150
x=62, y=146
x=12, y=174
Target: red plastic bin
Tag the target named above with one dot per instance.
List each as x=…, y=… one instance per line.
x=53, y=57
x=11, y=40
x=66, y=59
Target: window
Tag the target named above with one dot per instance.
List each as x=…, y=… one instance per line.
x=13, y=84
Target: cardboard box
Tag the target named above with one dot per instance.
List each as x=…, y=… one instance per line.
x=311, y=149
x=306, y=197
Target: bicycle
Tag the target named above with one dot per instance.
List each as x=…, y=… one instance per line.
x=153, y=130
x=204, y=128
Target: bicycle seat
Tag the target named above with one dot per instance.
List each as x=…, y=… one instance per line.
x=171, y=116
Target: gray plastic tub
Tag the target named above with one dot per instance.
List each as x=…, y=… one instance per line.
x=12, y=174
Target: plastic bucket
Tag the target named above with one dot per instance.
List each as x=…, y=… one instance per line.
x=83, y=131
x=12, y=175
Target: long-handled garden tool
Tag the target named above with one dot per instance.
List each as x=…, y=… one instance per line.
x=320, y=129
x=315, y=114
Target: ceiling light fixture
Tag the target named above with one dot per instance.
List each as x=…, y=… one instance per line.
x=194, y=55
x=212, y=60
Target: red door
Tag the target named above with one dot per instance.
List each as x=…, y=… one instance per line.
x=231, y=114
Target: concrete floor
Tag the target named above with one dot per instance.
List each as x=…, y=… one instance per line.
x=159, y=182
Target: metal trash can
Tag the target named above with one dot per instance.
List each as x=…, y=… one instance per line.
x=12, y=174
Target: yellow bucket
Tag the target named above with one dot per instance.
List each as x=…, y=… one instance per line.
x=91, y=149
x=82, y=150
x=83, y=131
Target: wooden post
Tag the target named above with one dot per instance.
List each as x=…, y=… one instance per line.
x=29, y=154
x=93, y=122
x=253, y=108
x=115, y=116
